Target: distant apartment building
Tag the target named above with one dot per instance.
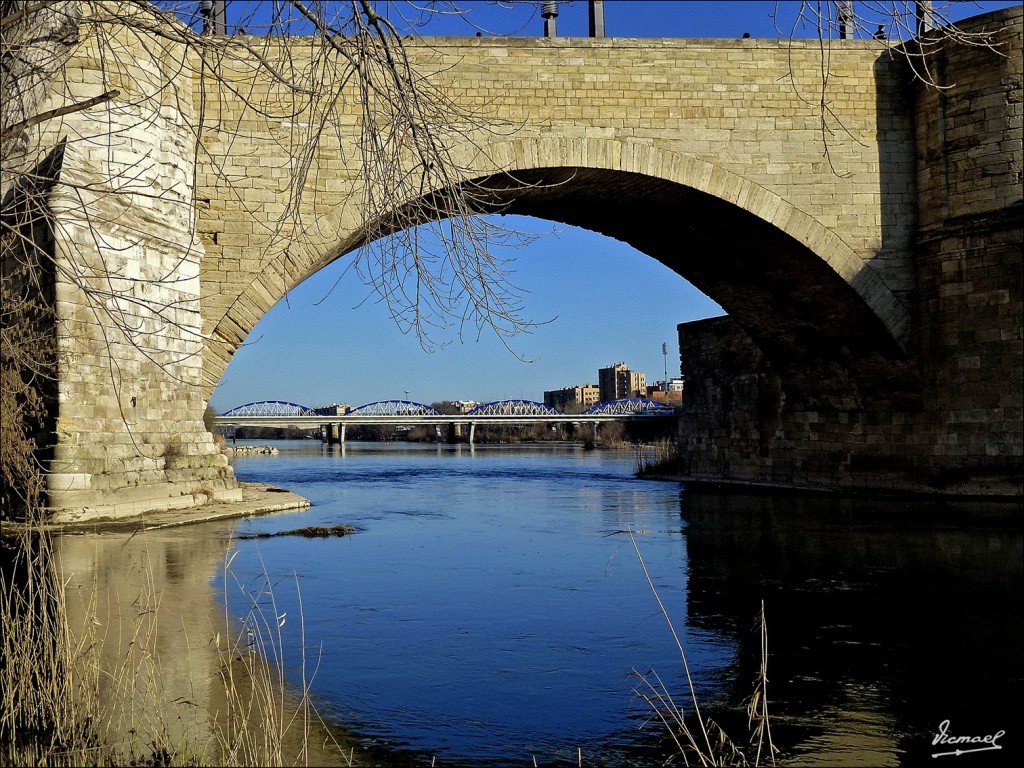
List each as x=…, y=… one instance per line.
x=465, y=406
x=667, y=392
x=334, y=409
x=617, y=382
x=573, y=399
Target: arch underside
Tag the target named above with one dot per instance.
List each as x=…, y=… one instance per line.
x=814, y=328
x=821, y=331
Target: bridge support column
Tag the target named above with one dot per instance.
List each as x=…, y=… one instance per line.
x=128, y=436
x=335, y=434
x=472, y=431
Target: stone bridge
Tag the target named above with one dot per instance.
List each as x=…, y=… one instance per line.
x=869, y=260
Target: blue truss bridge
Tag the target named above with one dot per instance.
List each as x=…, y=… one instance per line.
x=281, y=413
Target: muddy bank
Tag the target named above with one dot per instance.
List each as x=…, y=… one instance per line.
x=309, y=532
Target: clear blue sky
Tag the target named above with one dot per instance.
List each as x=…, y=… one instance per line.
x=607, y=303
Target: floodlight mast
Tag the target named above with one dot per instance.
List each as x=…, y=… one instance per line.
x=549, y=12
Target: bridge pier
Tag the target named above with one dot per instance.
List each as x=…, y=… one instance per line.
x=332, y=434
x=957, y=430
x=472, y=431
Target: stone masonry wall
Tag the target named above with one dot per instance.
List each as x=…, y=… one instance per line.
x=743, y=108
x=744, y=423
x=130, y=436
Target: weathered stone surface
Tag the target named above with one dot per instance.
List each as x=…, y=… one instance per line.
x=881, y=298
x=747, y=421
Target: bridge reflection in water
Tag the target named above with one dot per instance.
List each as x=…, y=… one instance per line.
x=280, y=413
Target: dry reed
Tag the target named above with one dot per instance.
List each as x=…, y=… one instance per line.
x=62, y=704
x=705, y=742
x=667, y=459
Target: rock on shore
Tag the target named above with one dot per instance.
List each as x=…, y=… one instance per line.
x=250, y=450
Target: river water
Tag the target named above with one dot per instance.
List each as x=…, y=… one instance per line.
x=490, y=609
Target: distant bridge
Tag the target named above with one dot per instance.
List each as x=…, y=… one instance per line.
x=281, y=413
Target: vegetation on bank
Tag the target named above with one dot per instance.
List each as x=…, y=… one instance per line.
x=63, y=703
x=693, y=735
x=664, y=457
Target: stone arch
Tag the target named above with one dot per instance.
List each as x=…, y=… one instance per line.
x=795, y=286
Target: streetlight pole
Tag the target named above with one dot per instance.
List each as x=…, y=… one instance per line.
x=596, y=18
x=214, y=13
x=549, y=12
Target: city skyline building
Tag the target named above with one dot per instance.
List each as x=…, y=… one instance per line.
x=569, y=399
x=668, y=392
x=618, y=382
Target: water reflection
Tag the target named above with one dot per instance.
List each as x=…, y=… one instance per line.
x=484, y=614
x=885, y=617
x=144, y=602
x=151, y=633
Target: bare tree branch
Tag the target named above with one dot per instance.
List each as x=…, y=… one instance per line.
x=49, y=114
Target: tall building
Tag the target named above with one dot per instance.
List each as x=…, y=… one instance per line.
x=573, y=399
x=617, y=382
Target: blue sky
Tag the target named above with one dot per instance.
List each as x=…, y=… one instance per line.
x=331, y=341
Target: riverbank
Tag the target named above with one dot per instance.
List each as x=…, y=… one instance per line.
x=257, y=499
x=249, y=450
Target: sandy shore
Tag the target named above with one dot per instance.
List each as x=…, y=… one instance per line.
x=257, y=499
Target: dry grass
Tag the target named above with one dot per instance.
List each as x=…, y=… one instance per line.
x=666, y=459
x=64, y=700
x=42, y=720
x=699, y=738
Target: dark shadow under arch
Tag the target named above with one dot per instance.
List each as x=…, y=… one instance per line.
x=816, y=330
x=827, y=324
